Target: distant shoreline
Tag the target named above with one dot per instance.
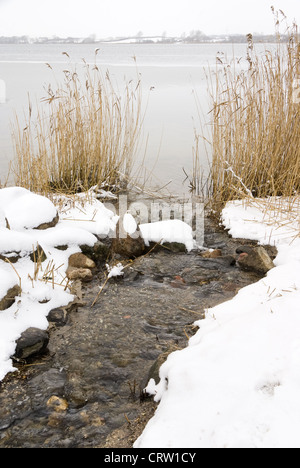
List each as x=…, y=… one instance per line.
x=197, y=38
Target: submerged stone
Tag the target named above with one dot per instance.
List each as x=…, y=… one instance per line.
x=216, y=253
x=59, y=405
x=32, y=342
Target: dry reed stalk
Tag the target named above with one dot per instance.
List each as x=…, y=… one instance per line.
x=84, y=134
x=37, y=257
x=19, y=277
x=279, y=212
x=256, y=124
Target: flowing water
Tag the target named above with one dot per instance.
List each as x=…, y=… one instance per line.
x=100, y=360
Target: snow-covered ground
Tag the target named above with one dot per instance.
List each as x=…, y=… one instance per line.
x=46, y=282
x=237, y=384
x=44, y=285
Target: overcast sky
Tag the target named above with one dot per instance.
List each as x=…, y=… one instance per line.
x=107, y=18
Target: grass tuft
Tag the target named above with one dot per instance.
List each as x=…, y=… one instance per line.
x=84, y=134
x=256, y=123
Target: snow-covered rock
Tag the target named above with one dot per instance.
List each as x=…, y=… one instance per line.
x=168, y=231
x=26, y=210
x=14, y=244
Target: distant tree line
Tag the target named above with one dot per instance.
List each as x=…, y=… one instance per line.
x=194, y=37
x=46, y=40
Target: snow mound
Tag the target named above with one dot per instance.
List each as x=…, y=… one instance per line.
x=25, y=210
x=88, y=213
x=65, y=235
x=168, y=231
x=237, y=383
x=16, y=242
x=2, y=219
x=269, y=221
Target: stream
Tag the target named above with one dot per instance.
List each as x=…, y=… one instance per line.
x=87, y=390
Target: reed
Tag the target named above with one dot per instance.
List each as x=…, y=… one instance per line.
x=84, y=134
x=256, y=123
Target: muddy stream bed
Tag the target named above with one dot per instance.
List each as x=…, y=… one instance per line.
x=86, y=391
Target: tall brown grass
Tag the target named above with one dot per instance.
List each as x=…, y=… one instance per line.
x=85, y=133
x=256, y=123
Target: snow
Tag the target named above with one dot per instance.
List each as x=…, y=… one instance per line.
x=14, y=242
x=115, y=271
x=25, y=209
x=27, y=311
x=7, y=281
x=272, y=221
x=237, y=383
x=81, y=219
x=2, y=219
x=62, y=234
x=168, y=231
x=87, y=213
x=129, y=224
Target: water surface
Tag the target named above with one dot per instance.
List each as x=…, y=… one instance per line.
x=175, y=73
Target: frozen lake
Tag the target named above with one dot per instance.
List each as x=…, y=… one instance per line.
x=174, y=72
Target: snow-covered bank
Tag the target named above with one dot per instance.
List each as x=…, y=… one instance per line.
x=237, y=383
x=60, y=228
x=20, y=213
